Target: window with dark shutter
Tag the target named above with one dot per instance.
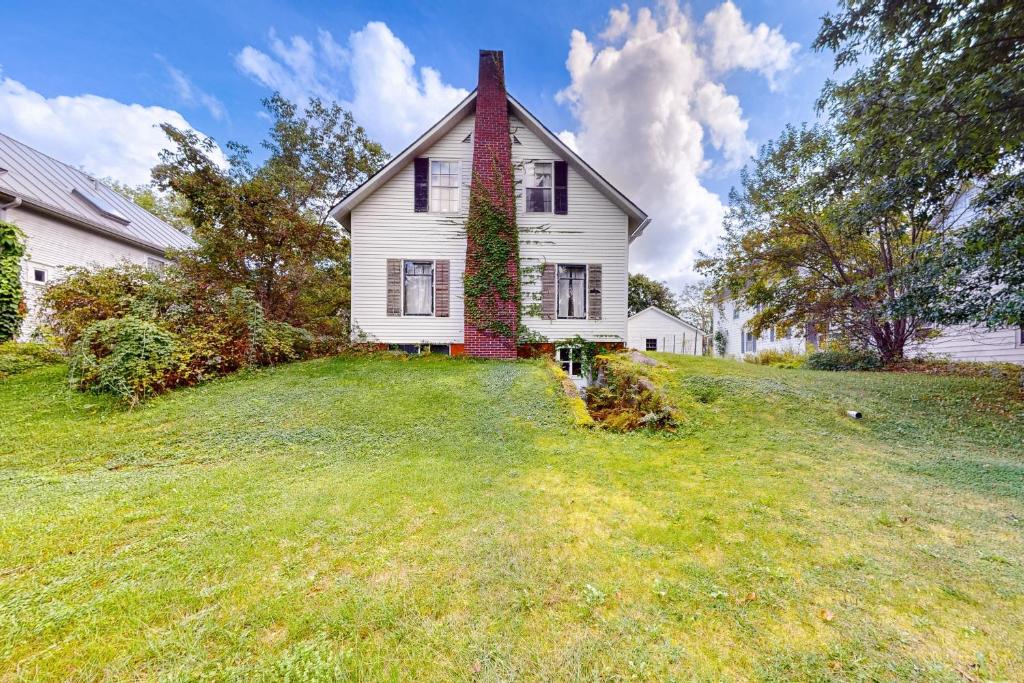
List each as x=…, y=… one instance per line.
x=421, y=184
x=394, y=287
x=594, y=291
x=572, y=291
x=442, y=288
x=547, y=292
x=561, y=188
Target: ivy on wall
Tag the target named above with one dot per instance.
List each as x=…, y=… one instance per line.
x=12, y=249
x=490, y=289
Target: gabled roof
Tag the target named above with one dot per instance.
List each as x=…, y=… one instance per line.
x=342, y=212
x=671, y=317
x=52, y=187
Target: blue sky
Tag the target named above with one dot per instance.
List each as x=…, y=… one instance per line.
x=69, y=68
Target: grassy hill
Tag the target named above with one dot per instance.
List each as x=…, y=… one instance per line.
x=438, y=519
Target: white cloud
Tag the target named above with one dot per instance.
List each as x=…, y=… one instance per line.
x=192, y=94
x=650, y=106
x=734, y=44
x=101, y=135
x=373, y=75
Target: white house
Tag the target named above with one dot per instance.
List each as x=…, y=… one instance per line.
x=652, y=329
x=731, y=319
x=409, y=244
x=71, y=219
x=961, y=342
x=964, y=342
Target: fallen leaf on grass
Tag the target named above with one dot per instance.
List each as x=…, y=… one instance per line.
x=826, y=615
x=749, y=597
x=477, y=667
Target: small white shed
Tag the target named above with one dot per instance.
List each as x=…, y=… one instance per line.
x=652, y=329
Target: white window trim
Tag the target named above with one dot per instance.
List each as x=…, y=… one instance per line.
x=578, y=363
x=433, y=288
x=1020, y=336
x=31, y=274
x=586, y=290
x=430, y=186
x=528, y=175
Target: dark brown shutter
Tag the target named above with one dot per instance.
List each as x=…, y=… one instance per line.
x=561, y=188
x=547, y=292
x=394, y=304
x=442, y=296
x=421, y=184
x=594, y=291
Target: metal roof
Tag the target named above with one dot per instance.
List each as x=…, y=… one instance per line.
x=44, y=183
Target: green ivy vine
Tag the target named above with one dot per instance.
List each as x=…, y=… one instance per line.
x=12, y=249
x=491, y=229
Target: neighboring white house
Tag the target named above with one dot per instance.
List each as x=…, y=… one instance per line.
x=963, y=342
x=732, y=319
x=652, y=329
x=955, y=343
x=408, y=238
x=71, y=219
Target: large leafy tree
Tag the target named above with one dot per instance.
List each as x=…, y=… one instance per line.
x=266, y=226
x=645, y=291
x=809, y=241
x=935, y=107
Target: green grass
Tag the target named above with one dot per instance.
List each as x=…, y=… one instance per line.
x=438, y=519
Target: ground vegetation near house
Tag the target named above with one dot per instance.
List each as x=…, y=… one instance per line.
x=387, y=518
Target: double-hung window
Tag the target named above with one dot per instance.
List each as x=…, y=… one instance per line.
x=418, y=288
x=540, y=177
x=572, y=292
x=444, y=186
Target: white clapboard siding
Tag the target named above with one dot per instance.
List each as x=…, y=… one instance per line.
x=52, y=245
x=963, y=342
x=593, y=231
x=734, y=326
x=384, y=226
x=670, y=334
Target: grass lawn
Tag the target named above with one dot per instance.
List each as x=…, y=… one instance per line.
x=438, y=519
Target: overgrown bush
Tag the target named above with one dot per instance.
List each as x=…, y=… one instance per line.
x=12, y=308
x=721, y=342
x=212, y=333
x=777, y=359
x=843, y=359
x=17, y=357
x=127, y=357
x=626, y=397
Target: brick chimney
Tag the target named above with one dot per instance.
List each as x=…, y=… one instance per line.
x=493, y=180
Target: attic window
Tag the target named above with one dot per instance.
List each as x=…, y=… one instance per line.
x=515, y=140
x=100, y=204
x=468, y=138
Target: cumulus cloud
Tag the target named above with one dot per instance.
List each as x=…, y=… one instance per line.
x=734, y=44
x=652, y=113
x=374, y=75
x=101, y=135
x=191, y=94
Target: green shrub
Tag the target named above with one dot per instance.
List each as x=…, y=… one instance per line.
x=214, y=333
x=18, y=357
x=127, y=357
x=84, y=296
x=843, y=359
x=12, y=308
x=777, y=359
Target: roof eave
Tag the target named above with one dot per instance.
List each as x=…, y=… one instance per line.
x=40, y=207
x=342, y=211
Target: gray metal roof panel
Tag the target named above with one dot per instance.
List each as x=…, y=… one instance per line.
x=42, y=180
